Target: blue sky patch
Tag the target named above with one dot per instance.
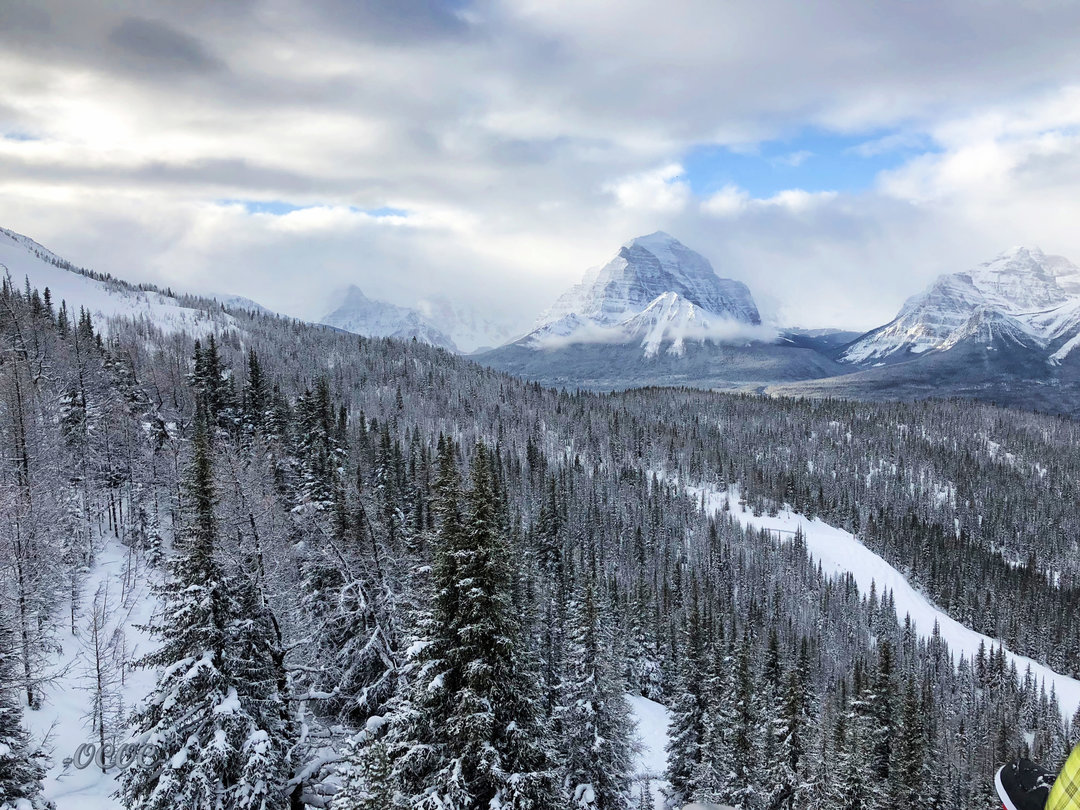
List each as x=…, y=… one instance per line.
x=385, y=211
x=812, y=161
x=275, y=207
x=279, y=208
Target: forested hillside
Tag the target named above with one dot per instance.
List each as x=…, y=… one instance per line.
x=388, y=577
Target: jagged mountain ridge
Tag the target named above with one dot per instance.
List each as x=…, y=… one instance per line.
x=644, y=269
x=1003, y=332
x=1041, y=293
x=658, y=314
x=990, y=344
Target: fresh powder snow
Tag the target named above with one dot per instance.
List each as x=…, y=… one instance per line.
x=839, y=552
x=22, y=258
x=62, y=721
x=650, y=761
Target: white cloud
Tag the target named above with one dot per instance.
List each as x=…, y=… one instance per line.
x=527, y=140
x=732, y=200
x=794, y=159
x=728, y=201
x=657, y=190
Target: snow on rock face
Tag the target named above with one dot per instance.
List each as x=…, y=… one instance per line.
x=990, y=327
x=1022, y=283
x=365, y=316
x=656, y=291
x=673, y=320
x=646, y=268
x=23, y=258
x=1026, y=279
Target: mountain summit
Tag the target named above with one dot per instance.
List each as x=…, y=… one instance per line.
x=655, y=291
x=644, y=269
x=355, y=312
x=657, y=314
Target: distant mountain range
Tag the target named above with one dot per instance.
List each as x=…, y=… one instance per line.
x=1005, y=331
x=658, y=314
x=1023, y=296
x=435, y=321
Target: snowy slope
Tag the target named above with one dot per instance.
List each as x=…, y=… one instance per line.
x=840, y=552
x=655, y=291
x=1040, y=292
x=241, y=302
x=22, y=258
x=61, y=722
x=355, y=312
x=650, y=762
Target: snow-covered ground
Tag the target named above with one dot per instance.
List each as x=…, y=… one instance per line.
x=840, y=552
x=23, y=258
x=651, y=759
x=62, y=721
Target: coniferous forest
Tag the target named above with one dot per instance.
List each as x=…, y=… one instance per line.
x=387, y=577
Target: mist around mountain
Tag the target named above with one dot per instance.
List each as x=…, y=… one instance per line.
x=654, y=290
x=355, y=312
x=657, y=314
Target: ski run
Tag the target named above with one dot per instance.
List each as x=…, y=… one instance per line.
x=840, y=553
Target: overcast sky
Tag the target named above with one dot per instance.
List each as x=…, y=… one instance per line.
x=835, y=155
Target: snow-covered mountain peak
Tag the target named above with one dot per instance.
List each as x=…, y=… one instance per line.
x=656, y=286
x=1033, y=289
x=992, y=329
x=1024, y=279
x=354, y=312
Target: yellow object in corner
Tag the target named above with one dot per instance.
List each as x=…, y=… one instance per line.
x=1065, y=794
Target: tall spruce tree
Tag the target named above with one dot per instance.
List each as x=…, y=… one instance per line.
x=595, y=727
x=686, y=731
x=217, y=714
x=471, y=734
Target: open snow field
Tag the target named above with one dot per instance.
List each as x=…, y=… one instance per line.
x=650, y=761
x=62, y=721
x=102, y=299
x=840, y=552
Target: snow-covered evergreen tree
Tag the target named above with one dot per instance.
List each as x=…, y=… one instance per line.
x=688, y=715
x=595, y=728
x=471, y=733
x=717, y=761
x=217, y=714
